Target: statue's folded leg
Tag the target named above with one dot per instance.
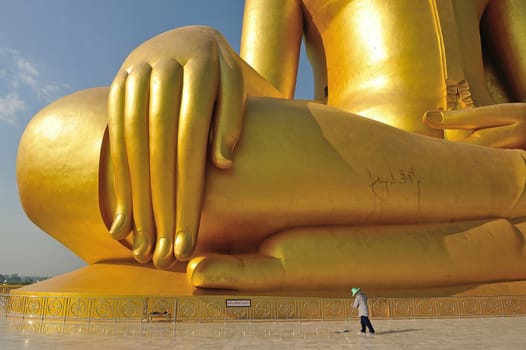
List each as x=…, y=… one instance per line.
x=397, y=256
x=340, y=180
x=336, y=200
x=60, y=174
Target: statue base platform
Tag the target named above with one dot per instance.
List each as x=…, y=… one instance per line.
x=112, y=292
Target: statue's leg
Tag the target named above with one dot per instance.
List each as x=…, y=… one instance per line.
x=353, y=201
x=59, y=158
x=304, y=164
x=298, y=164
x=396, y=256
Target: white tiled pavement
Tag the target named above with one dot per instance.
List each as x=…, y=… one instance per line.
x=466, y=333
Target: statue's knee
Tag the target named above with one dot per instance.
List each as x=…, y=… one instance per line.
x=58, y=161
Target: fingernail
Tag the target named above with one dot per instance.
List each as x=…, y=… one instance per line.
x=223, y=163
x=141, y=247
x=163, y=256
x=223, y=159
x=184, y=245
x=434, y=117
x=118, y=227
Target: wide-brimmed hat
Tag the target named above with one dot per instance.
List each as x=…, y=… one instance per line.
x=354, y=291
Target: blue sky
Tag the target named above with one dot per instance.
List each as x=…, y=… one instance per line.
x=52, y=48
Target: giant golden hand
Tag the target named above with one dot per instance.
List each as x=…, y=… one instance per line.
x=169, y=95
x=502, y=126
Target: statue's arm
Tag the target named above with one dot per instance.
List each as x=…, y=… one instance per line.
x=271, y=41
x=504, y=25
x=503, y=28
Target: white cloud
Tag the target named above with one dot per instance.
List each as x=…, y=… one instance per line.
x=20, y=83
x=26, y=67
x=10, y=105
x=27, y=73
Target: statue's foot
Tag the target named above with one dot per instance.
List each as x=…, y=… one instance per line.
x=241, y=272
x=397, y=256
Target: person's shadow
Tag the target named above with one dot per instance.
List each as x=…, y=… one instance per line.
x=393, y=331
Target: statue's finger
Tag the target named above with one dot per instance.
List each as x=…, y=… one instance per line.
x=199, y=92
x=122, y=222
x=474, y=118
x=229, y=112
x=165, y=98
x=136, y=135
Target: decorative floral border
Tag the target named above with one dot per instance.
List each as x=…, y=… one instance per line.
x=213, y=308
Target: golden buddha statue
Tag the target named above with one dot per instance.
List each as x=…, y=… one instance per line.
x=407, y=170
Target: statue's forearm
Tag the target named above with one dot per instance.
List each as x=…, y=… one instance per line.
x=271, y=39
x=504, y=24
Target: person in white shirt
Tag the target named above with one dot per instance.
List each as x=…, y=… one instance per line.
x=360, y=303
